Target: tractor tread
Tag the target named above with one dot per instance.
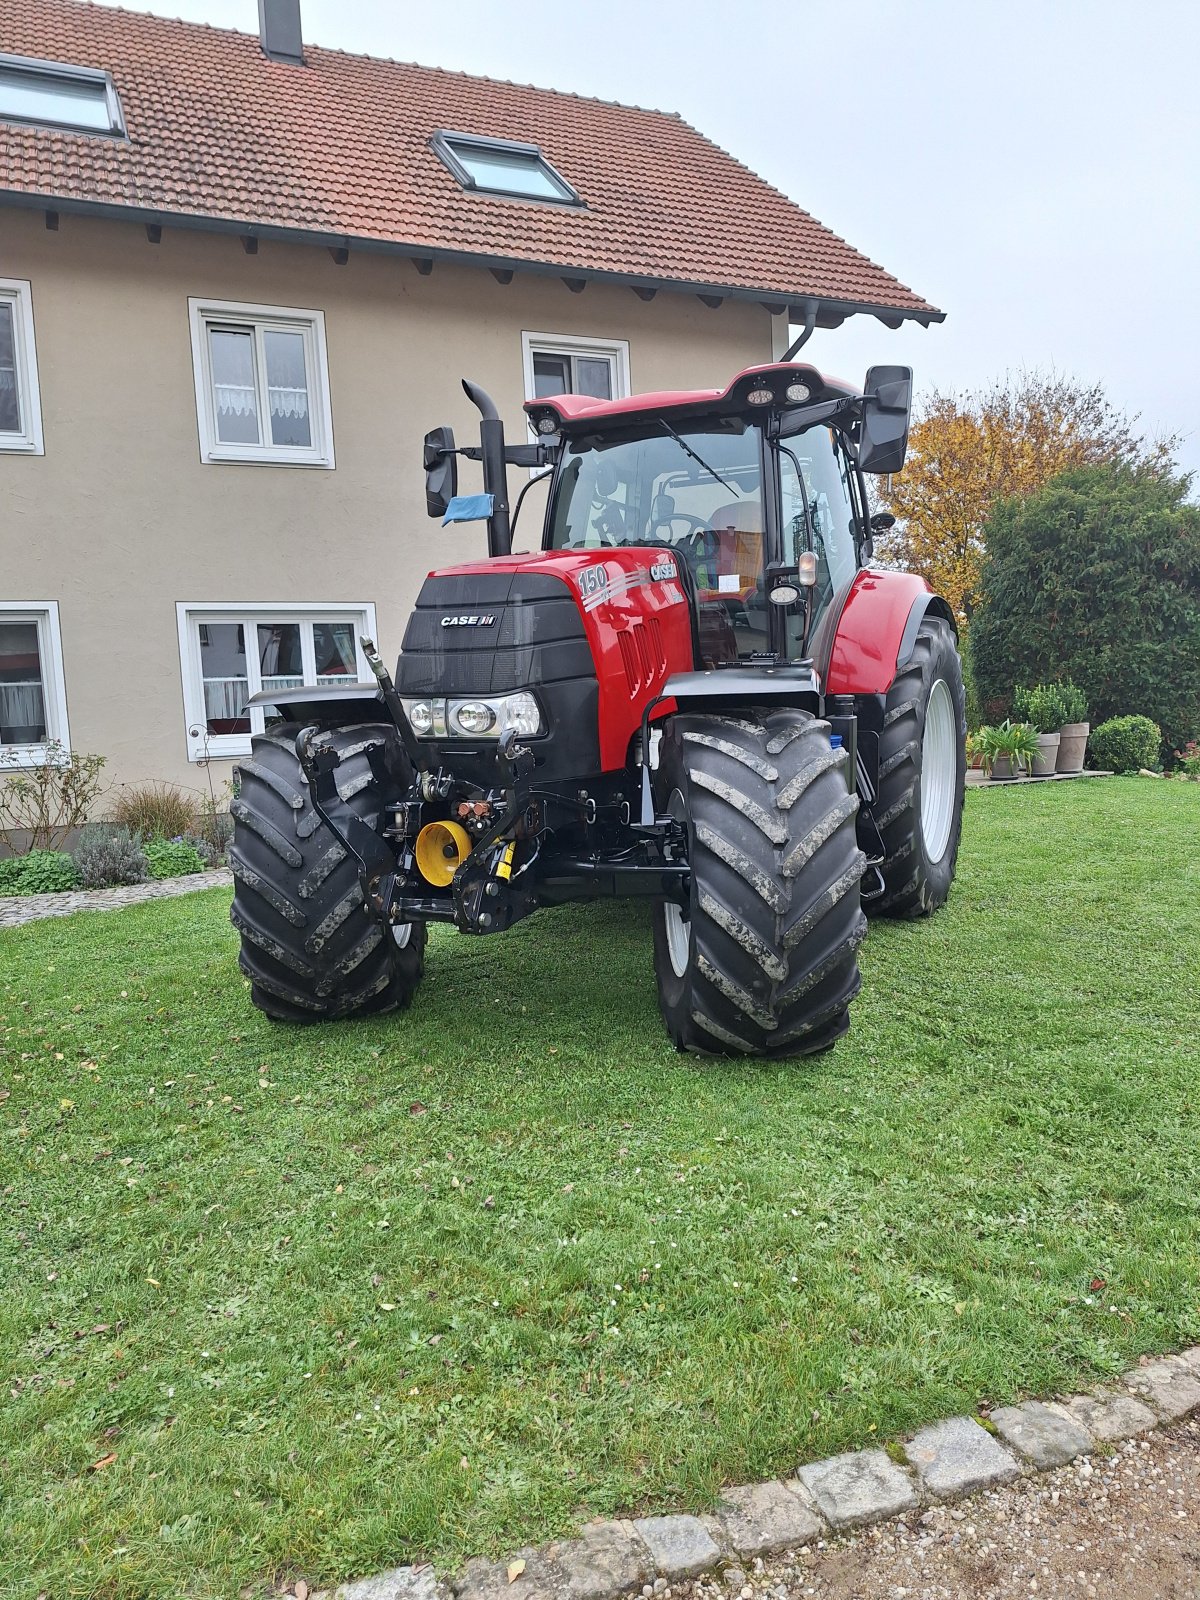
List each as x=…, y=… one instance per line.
x=912, y=885
x=306, y=946
x=762, y=977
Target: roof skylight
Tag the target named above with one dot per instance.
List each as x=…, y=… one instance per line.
x=502, y=166
x=50, y=95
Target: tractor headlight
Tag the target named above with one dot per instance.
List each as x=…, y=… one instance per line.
x=472, y=717
x=520, y=714
x=476, y=718
x=420, y=715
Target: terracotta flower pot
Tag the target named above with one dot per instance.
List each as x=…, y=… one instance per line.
x=1046, y=761
x=1072, y=742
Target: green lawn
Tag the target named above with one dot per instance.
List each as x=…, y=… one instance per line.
x=329, y=1300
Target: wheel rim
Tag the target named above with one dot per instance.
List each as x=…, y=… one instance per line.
x=402, y=933
x=678, y=926
x=679, y=937
x=938, y=771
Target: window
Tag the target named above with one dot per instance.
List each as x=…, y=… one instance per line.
x=20, y=405
x=50, y=95
x=33, y=702
x=501, y=166
x=563, y=364
x=230, y=653
x=262, y=384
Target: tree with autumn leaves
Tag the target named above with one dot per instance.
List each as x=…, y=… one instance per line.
x=967, y=452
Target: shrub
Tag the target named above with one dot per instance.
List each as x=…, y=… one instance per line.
x=106, y=856
x=1187, y=760
x=51, y=799
x=1126, y=744
x=38, y=872
x=1096, y=578
x=1074, y=702
x=156, y=810
x=10, y=874
x=211, y=854
x=171, y=858
x=1044, y=707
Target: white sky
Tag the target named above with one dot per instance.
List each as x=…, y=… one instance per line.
x=1030, y=166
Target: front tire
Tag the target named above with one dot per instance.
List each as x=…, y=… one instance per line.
x=763, y=960
x=922, y=776
x=308, y=949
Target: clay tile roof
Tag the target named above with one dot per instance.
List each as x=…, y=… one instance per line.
x=339, y=148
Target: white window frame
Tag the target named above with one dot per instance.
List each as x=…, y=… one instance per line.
x=286, y=319
x=577, y=344
x=191, y=615
x=54, y=684
x=18, y=292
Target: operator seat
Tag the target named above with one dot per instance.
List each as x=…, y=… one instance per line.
x=738, y=528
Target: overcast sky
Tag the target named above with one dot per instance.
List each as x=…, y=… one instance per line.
x=1031, y=168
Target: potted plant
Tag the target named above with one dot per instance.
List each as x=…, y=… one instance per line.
x=1044, y=707
x=974, y=748
x=1073, y=736
x=1007, y=749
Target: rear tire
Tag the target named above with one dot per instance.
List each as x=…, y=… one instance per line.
x=922, y=776
x=308, y=949
x=764, y=960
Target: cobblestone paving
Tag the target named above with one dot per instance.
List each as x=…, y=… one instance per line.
x=16, y=910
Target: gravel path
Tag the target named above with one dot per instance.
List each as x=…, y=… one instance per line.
x=1122, y=1525
x=15, y=910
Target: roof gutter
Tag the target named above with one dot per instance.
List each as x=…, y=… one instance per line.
x=829, y=312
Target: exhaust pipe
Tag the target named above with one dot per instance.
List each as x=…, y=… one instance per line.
x=495, y=476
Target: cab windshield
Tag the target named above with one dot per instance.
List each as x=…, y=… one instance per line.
x=698, y=489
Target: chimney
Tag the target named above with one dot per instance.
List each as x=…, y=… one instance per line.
x=279, y=30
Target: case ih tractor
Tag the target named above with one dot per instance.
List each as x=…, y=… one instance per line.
x=696, y=692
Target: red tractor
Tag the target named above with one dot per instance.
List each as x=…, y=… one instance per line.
x=697, y=691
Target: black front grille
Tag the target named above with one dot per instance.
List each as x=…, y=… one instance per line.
x=493, y=633
x=536, y=636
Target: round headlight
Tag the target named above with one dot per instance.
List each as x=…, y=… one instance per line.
x=421, y=717
x=784, y=594
x=547, y=425
x=474, y=717
x=760, y=397
x=798, y=392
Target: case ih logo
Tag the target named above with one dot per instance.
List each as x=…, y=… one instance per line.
x=664, y=568
x=485, y=620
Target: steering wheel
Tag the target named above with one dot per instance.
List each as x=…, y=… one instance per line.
x=695, y=524
x=702, y=544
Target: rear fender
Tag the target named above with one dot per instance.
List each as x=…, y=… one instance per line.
x=877, y=630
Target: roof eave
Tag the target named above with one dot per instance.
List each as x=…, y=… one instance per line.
x=830, y=311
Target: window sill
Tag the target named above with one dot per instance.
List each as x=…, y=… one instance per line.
x=22, y=757
x=265, y=458
x=17, y=445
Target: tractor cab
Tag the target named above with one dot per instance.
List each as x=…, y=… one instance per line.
x=735, y=503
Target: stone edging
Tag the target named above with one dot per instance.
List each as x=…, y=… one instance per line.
x=944, y=1461
x=18, y=909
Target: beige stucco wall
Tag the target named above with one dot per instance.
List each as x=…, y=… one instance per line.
x=119, y=519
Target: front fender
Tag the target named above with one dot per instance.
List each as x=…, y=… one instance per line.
x=877, y=630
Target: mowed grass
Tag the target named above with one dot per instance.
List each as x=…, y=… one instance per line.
x=314, y=1302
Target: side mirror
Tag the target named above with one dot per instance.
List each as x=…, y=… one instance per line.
x=441, y=471
x=887, y=403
